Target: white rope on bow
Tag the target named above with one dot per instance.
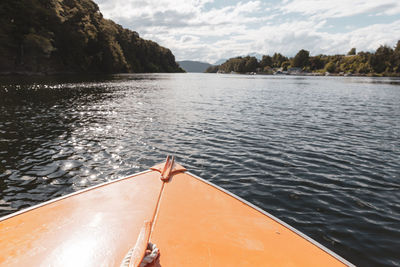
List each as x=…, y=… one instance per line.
x=152, y=253
x=152, y=256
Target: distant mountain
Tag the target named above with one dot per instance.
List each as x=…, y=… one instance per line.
x=193, y=66
x=60, y=36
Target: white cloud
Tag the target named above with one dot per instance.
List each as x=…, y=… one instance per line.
x=138, y=8
x=199, y=30
x=341, y=8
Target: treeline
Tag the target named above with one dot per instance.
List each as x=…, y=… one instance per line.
x=385, y=61
x=72, y=36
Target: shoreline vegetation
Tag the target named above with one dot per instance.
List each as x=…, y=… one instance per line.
x=384, y=62
x=40, y=37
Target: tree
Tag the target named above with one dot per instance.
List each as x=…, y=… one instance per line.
x=396, y=59
x=316, y=63
x=330, y=67
x=212, y=69
x=251, y=64
x=352, y=52
x=301, y=59
x=364, y=68
x=266, y=61
x=278, y=59
x=397, y=47
x=240, y=65
x=285, y=65
x=73, y=36
x=382, y=60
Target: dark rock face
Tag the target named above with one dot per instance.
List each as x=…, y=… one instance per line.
x=50, y=36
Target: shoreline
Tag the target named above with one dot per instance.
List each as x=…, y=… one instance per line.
x=314, y=74
x=66, y=73
x=71, y=73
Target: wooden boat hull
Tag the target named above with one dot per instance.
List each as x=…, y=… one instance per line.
x=193, y=223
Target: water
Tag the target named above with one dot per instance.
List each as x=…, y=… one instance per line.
x=321, y=153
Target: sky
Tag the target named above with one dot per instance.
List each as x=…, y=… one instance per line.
x=210, y=30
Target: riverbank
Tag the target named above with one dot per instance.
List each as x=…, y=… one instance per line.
x=285, y=73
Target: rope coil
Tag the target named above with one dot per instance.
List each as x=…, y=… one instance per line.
x=152, y=255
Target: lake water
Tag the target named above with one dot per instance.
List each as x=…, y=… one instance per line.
x=320, y=153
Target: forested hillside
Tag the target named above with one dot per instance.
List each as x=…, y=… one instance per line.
x=59, y=36
x=385, y=61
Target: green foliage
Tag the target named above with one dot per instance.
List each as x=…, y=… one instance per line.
x=212, y=69
x=240, y=65
x=396, y=59
x=278, y=59
x=301, y=59
x=285, y=65
x=316, y=62
x=39, y=44
x=384, y=62
x=268, y=70
x=352, y=52
x=364, y=68
x=266, y=61
x=73, y=36
x=251, y=64
x=330, y=67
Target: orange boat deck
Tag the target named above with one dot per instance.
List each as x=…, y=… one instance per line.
x=193, y=223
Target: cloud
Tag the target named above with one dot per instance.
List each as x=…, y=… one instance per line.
x=341, y=8
x=288, y=38
x=208, y=30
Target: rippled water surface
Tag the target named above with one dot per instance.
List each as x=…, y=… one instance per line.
x=321, y=153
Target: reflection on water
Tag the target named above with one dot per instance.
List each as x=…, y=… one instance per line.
x=321, y=153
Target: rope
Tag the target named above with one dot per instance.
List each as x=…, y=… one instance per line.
x=127, y=258
x=152, y=253
x=152, y=256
